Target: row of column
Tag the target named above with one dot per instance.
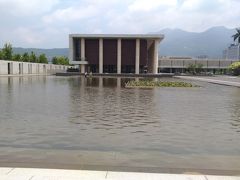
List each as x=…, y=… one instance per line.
x=119, y=54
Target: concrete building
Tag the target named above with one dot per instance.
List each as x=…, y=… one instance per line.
x=181, y=64
x=100, y=53
x=232, y=52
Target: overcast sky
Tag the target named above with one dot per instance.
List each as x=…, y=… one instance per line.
x=47, y=23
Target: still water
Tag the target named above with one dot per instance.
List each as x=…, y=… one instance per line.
x=77, y=122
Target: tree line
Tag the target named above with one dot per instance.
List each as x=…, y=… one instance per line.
x=6, y=53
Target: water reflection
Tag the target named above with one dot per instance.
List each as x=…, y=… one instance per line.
x=109, y=109
x=100, y=114
x=236, y=112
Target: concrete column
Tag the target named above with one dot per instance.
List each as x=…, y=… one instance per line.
x=83, y=55
x=119, y=54
x=137, y=56
x=82, y=49
x=155, y=58
x=100, y=55
x=71, y=49
x=82, y=68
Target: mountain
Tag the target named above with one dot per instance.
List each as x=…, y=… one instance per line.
x=50, y=53
x=211, y=42
x=177, y=42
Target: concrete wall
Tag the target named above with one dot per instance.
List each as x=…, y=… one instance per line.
x=18, y=68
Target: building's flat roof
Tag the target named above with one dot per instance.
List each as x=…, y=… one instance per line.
x=128, y=36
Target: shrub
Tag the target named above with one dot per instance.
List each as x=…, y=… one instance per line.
x=235, y=68
x=61, y=60
x=33, y=57
x=43, y=59
x=16, y=57
x=25, y=57
x=1, y=55
x=195, y=68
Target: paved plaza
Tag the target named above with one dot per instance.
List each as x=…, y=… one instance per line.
x=58, y=174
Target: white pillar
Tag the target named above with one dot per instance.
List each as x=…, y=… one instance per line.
x=82, y=68
x=119, y=54
x=71, y=49
x=82, y=49
x=82, y=54
x=137, y=56
x=155, y=58
x=100, y=55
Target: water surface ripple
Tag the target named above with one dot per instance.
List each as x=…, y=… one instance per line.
x=99, y=114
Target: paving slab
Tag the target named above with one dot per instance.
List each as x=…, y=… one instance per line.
x=19, y=177
x=62, y=174
x=213, y=80
x=151, y=176
x=58, y=173
x=222, y=177
x=5, y=171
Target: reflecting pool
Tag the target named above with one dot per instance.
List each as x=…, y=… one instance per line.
x=96, y=123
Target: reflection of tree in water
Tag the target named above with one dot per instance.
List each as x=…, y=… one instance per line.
x=236, y=112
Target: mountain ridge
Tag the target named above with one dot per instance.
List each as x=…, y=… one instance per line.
x=177, y=42
x=211, y=42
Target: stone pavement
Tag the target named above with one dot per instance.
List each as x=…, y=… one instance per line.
x=7, y=173
x=221, y=80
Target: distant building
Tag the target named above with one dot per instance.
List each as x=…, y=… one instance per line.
x=232, y=52
x=202, y=57
x=175, y=57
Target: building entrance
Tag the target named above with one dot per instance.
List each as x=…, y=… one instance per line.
x=110, y=69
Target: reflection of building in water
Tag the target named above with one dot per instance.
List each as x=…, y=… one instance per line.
x=115, y=53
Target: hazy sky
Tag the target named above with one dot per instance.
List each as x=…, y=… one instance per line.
x=47, y=23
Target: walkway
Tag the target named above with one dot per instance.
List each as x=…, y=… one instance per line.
x=221, y=80
x=60, y=174
x=117, y=75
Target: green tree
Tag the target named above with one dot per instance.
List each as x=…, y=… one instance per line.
x=195, y=68
x=33, y=57
x=1, y=55
x=16, y=57
x=55, y=60
x=191, y=68
x=199, y=68
x=25, y=57
x=237, y=35
x=43, y=59
x=7, y=51
x=61, y=60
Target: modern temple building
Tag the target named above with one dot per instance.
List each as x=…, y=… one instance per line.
x=107, y=53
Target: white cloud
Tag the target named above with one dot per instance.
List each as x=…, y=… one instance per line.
x=25, y=7
x=28, y=35
x=47, y=23
x=70, y=14
x=149, y=5
x=191, y=5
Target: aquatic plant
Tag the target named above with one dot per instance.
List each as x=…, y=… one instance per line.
x=149, y=83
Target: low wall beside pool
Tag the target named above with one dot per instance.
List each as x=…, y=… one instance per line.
x=21, y=68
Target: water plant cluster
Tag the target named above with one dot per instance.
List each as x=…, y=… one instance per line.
x=150, y=83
